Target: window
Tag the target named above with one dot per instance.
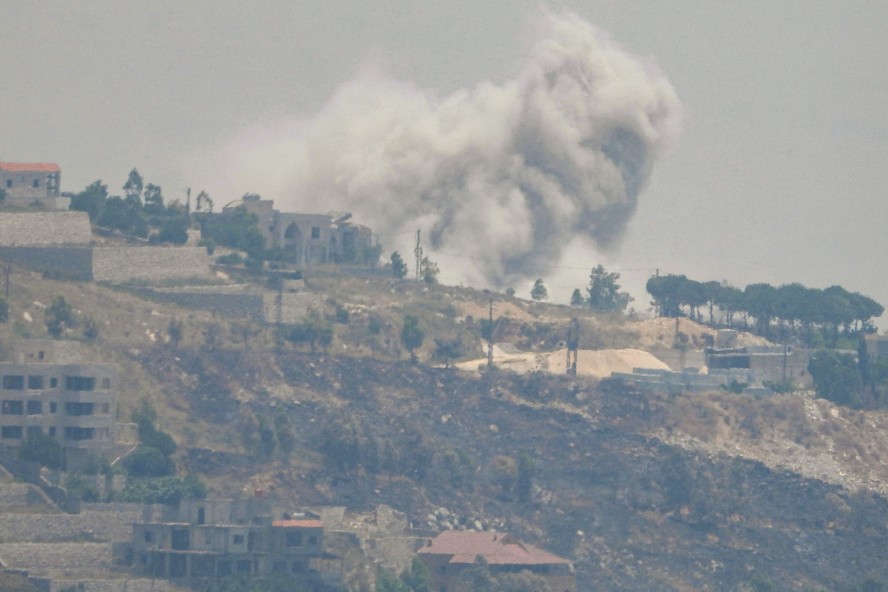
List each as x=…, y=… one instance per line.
x=52, y=431
x=36, y=184
x=149, y=536
x=77, y=409
x=14, y=382
x=106, y=383
x=34, y=407
x=237, y=539
x=315, y=232
x=294, y=539
x=35, y=383
x=53, y=382
x=35, y=431
x=313, y=540
x=52, y=407
x=11, y=432
x=8, y=183
x=80, y=383
x=77, y=434
x=12, y=407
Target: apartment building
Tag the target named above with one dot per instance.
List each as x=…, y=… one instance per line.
x=47, y=388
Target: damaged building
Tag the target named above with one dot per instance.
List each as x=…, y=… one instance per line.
x=308, y=239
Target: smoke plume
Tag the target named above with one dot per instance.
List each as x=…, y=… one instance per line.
x=501, y=176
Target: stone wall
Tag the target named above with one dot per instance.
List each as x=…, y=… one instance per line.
x=149, y=264
x=58, y=559
x=86, y=526
x=44, y=229
x=73, y=262
x=294, y=306
x=115, y=585
x=224, y=300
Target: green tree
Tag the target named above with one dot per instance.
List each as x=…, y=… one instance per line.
x=666, y=291
x=133, y=186
x=174, y=333
x=524, y=482
x=448, y=350
x=236, y=228
x=603, y=293
x=387, y=581
x=428, y=271
x=91, y=200
x=90, y=329
x=538, y=292
x=576, y=299
x=284, y=434
x=58, y=317
x=146, y=461
x=153, y=199
x=416, y=577
x=411, y=335
x=267, y=442
x=836, y=377
x=4, y=309
x=41, y=448
x=399, y=268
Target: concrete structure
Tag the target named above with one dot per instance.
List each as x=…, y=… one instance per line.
x=59, y=244
x=766, y=363
x=48, y=389
x=450, y=553
x=216, y=538
x=33, y=184
x=877, y=346
x=307, y=239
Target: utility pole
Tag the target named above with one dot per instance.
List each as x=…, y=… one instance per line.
x=573, y=344
x=7, y=269
x=418, y=252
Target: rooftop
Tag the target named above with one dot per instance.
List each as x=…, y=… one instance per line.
x=496, y=548
x=29, y=167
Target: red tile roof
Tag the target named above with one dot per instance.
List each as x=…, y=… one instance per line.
x=298, y=523
x=496, y=548
x=30, y=167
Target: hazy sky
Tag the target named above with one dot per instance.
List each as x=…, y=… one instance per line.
x=778, y=174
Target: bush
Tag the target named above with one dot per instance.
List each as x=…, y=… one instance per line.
x=42, y=449
x=146, y=461
x=165, y=490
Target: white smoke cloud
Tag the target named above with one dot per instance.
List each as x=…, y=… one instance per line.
x=501, y=176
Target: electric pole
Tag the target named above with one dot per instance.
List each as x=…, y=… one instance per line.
x=418, y=252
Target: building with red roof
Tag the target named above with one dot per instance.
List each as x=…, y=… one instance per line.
x=450, y=553
x=29, y=183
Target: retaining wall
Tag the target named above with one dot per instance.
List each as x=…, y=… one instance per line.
x=74, y=262
x=149, y=264
x=44, y=229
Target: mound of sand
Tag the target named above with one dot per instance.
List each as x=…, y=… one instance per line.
x=596, y=363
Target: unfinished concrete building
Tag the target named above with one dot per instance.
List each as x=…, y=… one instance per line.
x=33, y=184
x=47, y=388
x=307, y=239
x=217, y=538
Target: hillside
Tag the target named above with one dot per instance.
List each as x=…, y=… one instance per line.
x=643, y=491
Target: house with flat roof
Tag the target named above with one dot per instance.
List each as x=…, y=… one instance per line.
x=33, y=183
x=48, y=388
x=450, y=553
